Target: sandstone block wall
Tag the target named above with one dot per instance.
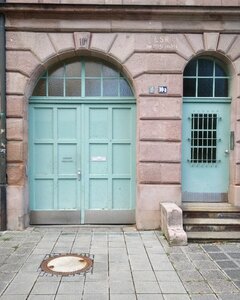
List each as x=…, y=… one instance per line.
x=149, y=60
x=136, y=2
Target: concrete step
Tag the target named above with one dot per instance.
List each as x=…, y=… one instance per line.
x=213, y=235
x=210, y=221
x=209, y=207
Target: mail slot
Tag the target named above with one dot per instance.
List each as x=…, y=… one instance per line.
x=98, y=158
x=67, y=159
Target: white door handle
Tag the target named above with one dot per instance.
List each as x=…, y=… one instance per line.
x=226, y=151
x=79, y=175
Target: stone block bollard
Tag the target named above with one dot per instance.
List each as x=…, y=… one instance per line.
x=172, y=224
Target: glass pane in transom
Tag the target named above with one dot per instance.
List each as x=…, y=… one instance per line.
x=93, y=69
x=73, y=87
x=56, y=71
x=92, y=87
x=55, y=87
x=73, y=69
x=40, y=89
x=190, y=69
x=205, y=87
x=110, y=87
x=205, y=67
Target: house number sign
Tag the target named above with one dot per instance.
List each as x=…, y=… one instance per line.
x=82, y=40
x=160, y=89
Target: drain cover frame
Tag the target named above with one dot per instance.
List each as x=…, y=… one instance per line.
x=47, y=265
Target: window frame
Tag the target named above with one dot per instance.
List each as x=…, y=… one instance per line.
x=119, y=79
x=211, y=98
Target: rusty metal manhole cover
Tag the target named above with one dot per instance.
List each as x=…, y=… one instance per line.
x=67, y=264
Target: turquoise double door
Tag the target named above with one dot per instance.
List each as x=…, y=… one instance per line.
x=82, y=163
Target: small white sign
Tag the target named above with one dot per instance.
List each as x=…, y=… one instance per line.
x=151, y=89
x=98, y=158
x=162, y=89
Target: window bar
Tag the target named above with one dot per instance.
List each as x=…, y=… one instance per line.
x=216, y=124
x=64, y=80
x=192, y=139
x=196, y=92
x=101, y=81
x=83, y=78
x=47, y=84
x=198, y=128
x=207, y=141
x=214, y=79
x=212, y=141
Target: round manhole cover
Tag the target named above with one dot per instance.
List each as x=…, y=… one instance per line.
x=66, y=264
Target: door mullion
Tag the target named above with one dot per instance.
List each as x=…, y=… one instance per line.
x=55, y=155
x=110, y=158
x=84, y=144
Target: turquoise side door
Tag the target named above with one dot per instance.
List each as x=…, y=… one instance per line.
x=205, y=151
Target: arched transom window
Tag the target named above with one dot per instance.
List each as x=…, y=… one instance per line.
x=205, y=77
x=82, y=78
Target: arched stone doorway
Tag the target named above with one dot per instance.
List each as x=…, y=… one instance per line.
x=206, y=138
x=82, y=145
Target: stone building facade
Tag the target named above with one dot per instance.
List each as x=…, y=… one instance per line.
x=150, y=43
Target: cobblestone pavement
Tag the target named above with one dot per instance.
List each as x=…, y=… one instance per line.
x=128, y=265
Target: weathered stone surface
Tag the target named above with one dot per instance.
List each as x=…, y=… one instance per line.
x=62, y=41
x=196, y=42
x=210, y=40
x=123, y=46
x=81, y=2
x=160, y=151
x=15, y=129
x=234, y=192
x=16, y=174
x=173, y=82
x=137, y=2
x=17, y=216
x=15, y=152
x=26, y=1
x=147, y=219
x=70, y=25
x=39, y=43
x=233, y=52
x=102, y=42
x=172, y=224
x=163, y=43
x=236, y=91
x=230, y=2
x=155, y=63
x=21, y=61
x=159, y=173
x=237, y=175
x=165, y=130
x=16, y=83
x=236, y=65
x=225, y=42
x=15, y=106
x=165, y=108
x=113, y=2
x=150, y=195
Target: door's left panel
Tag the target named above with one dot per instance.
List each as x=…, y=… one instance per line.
x=54, y=162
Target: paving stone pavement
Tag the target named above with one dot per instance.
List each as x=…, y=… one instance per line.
x=128, y=265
